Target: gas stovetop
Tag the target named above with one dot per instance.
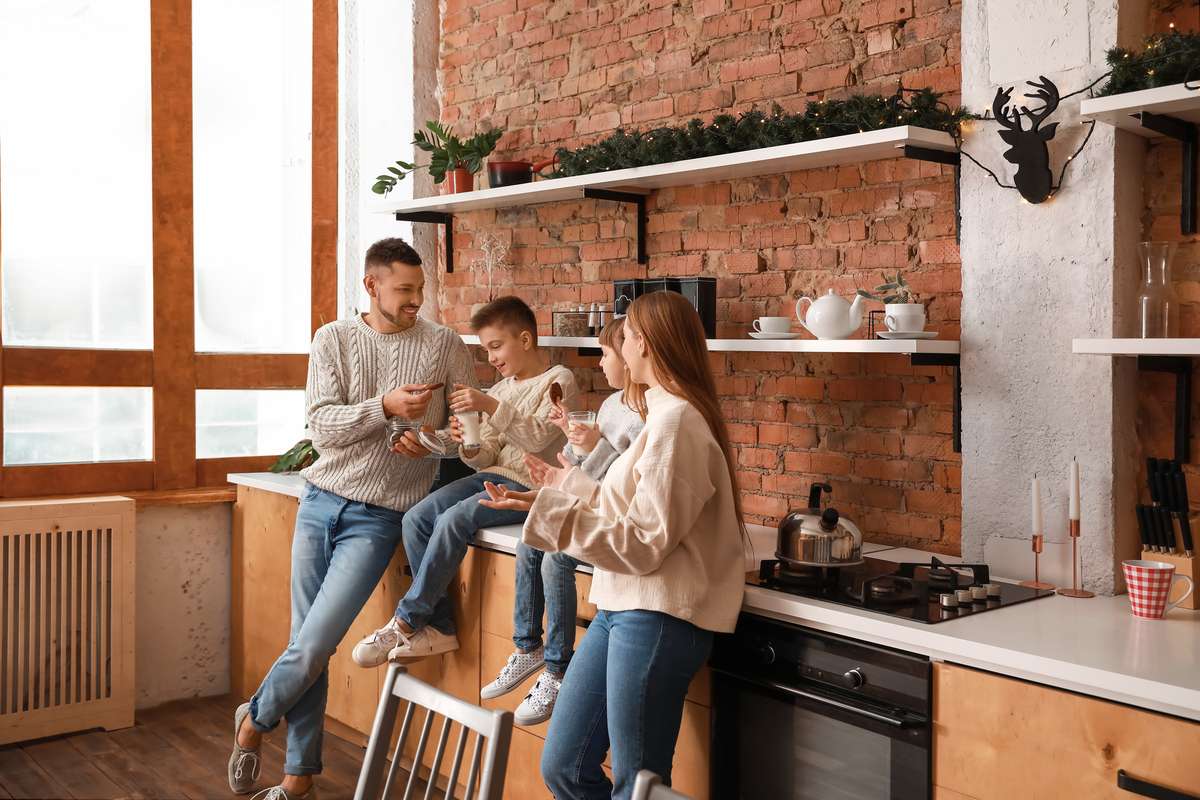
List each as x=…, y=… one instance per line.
x=906, y=590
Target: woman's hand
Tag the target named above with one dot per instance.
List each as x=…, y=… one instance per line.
x=584, y=437
x=502, y=498
x=464, y=399
x=558, y=418
x=545, y=475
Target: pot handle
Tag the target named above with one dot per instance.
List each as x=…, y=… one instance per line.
x=800, y=318
x=538, y=166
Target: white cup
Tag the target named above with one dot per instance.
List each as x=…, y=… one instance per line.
x=772, y=325
x=580, y=419
x=470, y=425
x=904, y=317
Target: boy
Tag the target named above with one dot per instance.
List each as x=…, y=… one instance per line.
x=437, y=530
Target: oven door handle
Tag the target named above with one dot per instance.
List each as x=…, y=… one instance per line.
x=887, y=719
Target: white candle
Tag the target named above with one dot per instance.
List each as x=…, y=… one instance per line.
x=1073, y=512
x=1037, y=506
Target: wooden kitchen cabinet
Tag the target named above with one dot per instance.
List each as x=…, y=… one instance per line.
x=998, y=737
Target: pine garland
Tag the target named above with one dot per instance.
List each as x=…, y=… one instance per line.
x=1166, y=59
x=754, y=129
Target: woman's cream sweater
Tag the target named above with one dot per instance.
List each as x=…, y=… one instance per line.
x=661, y=530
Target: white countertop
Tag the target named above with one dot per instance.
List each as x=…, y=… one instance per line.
x=1094, y=647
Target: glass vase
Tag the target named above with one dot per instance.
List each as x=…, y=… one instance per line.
x=1158, y=302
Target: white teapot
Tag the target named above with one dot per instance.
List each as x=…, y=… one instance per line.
x=829, y=316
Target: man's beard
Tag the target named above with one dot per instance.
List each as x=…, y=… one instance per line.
x=397, y=319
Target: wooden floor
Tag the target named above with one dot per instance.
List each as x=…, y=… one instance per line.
x=179, y=750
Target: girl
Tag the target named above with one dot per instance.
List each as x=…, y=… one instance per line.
x=663, y=533
x=548, y=584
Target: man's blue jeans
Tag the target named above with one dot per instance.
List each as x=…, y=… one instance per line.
x=624, y=692
x=550, y=576
x=437, y=531
x=339, y=552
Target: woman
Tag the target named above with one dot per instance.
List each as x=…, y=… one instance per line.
x=662, y=531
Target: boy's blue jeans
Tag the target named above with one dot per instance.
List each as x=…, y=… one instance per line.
x=437, y=531
x=550, y=576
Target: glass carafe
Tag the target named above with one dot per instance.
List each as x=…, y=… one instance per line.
x=1158, y=303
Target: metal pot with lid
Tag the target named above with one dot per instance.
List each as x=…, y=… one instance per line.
x=813, y=537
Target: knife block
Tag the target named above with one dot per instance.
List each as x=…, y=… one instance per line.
x=1184, y=565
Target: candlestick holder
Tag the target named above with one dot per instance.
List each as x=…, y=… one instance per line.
x=1038, y=543
x=1075, y=591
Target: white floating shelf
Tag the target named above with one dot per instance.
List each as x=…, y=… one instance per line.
x=1136, y=347
x=852, y=148
x=1123, y=110
x=903, y=347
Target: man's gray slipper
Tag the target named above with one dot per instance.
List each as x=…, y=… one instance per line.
x=245, y=764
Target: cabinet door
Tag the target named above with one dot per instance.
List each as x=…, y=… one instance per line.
x=997, y=737
x=261, y=574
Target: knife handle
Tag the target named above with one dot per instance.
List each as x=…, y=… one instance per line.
x=1143, y=528
x=1181, y=492
x=1167, y=521
x=1152, y=478
x=1185, y=532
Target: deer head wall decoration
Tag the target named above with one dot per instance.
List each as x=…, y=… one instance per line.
x=1028, y=148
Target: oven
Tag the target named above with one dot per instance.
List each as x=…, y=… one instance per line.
x=804, y=715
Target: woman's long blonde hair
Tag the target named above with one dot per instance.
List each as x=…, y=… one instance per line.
x=679, y=357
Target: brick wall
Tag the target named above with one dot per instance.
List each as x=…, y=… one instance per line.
x=568, y=72
x=1156, y=392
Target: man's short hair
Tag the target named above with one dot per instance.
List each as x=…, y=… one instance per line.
x=510, y=312
x=386, y=252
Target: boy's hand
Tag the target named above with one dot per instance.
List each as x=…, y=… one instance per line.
x=558, y=418
x=456, y=433
x=464, y=398
x=504, y=499
x=584, y=437
x=409, y=401
x=545, y=475
x=410, y=446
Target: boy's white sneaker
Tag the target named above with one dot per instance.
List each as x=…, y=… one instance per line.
x=518, y=667
x=428, y=641
x=373, y=650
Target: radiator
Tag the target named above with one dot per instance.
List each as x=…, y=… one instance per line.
x=66, y=616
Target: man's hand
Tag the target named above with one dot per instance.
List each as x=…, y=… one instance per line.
x=464, y=398
x=409, y=401
x=584, y=437
x=410, y=446
x=502, y=498
x=545, y=475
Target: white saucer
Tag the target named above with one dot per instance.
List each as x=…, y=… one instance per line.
x=909, y=335
x=758, y=335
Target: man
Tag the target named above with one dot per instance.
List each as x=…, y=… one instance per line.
x=386, y=363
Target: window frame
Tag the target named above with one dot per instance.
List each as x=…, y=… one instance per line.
x=173, y=369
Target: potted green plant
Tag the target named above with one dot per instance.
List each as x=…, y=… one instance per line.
x=904, y=313
x=301, y=455
x=448, y=156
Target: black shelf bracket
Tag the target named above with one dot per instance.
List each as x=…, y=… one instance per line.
x=1186, y=134
x=1181, y=368
x=946, y=360
x=639, y=201
x=943, y=157
x=438, y=218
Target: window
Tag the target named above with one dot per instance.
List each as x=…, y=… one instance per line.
x=60, y=425
x=75, y=174
x=252, y=140
x=240, y=422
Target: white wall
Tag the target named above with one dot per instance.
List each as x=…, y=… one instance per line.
x=1033, y=278
x=183, y=596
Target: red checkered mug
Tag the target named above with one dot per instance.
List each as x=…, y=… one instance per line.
x=1149, y=584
